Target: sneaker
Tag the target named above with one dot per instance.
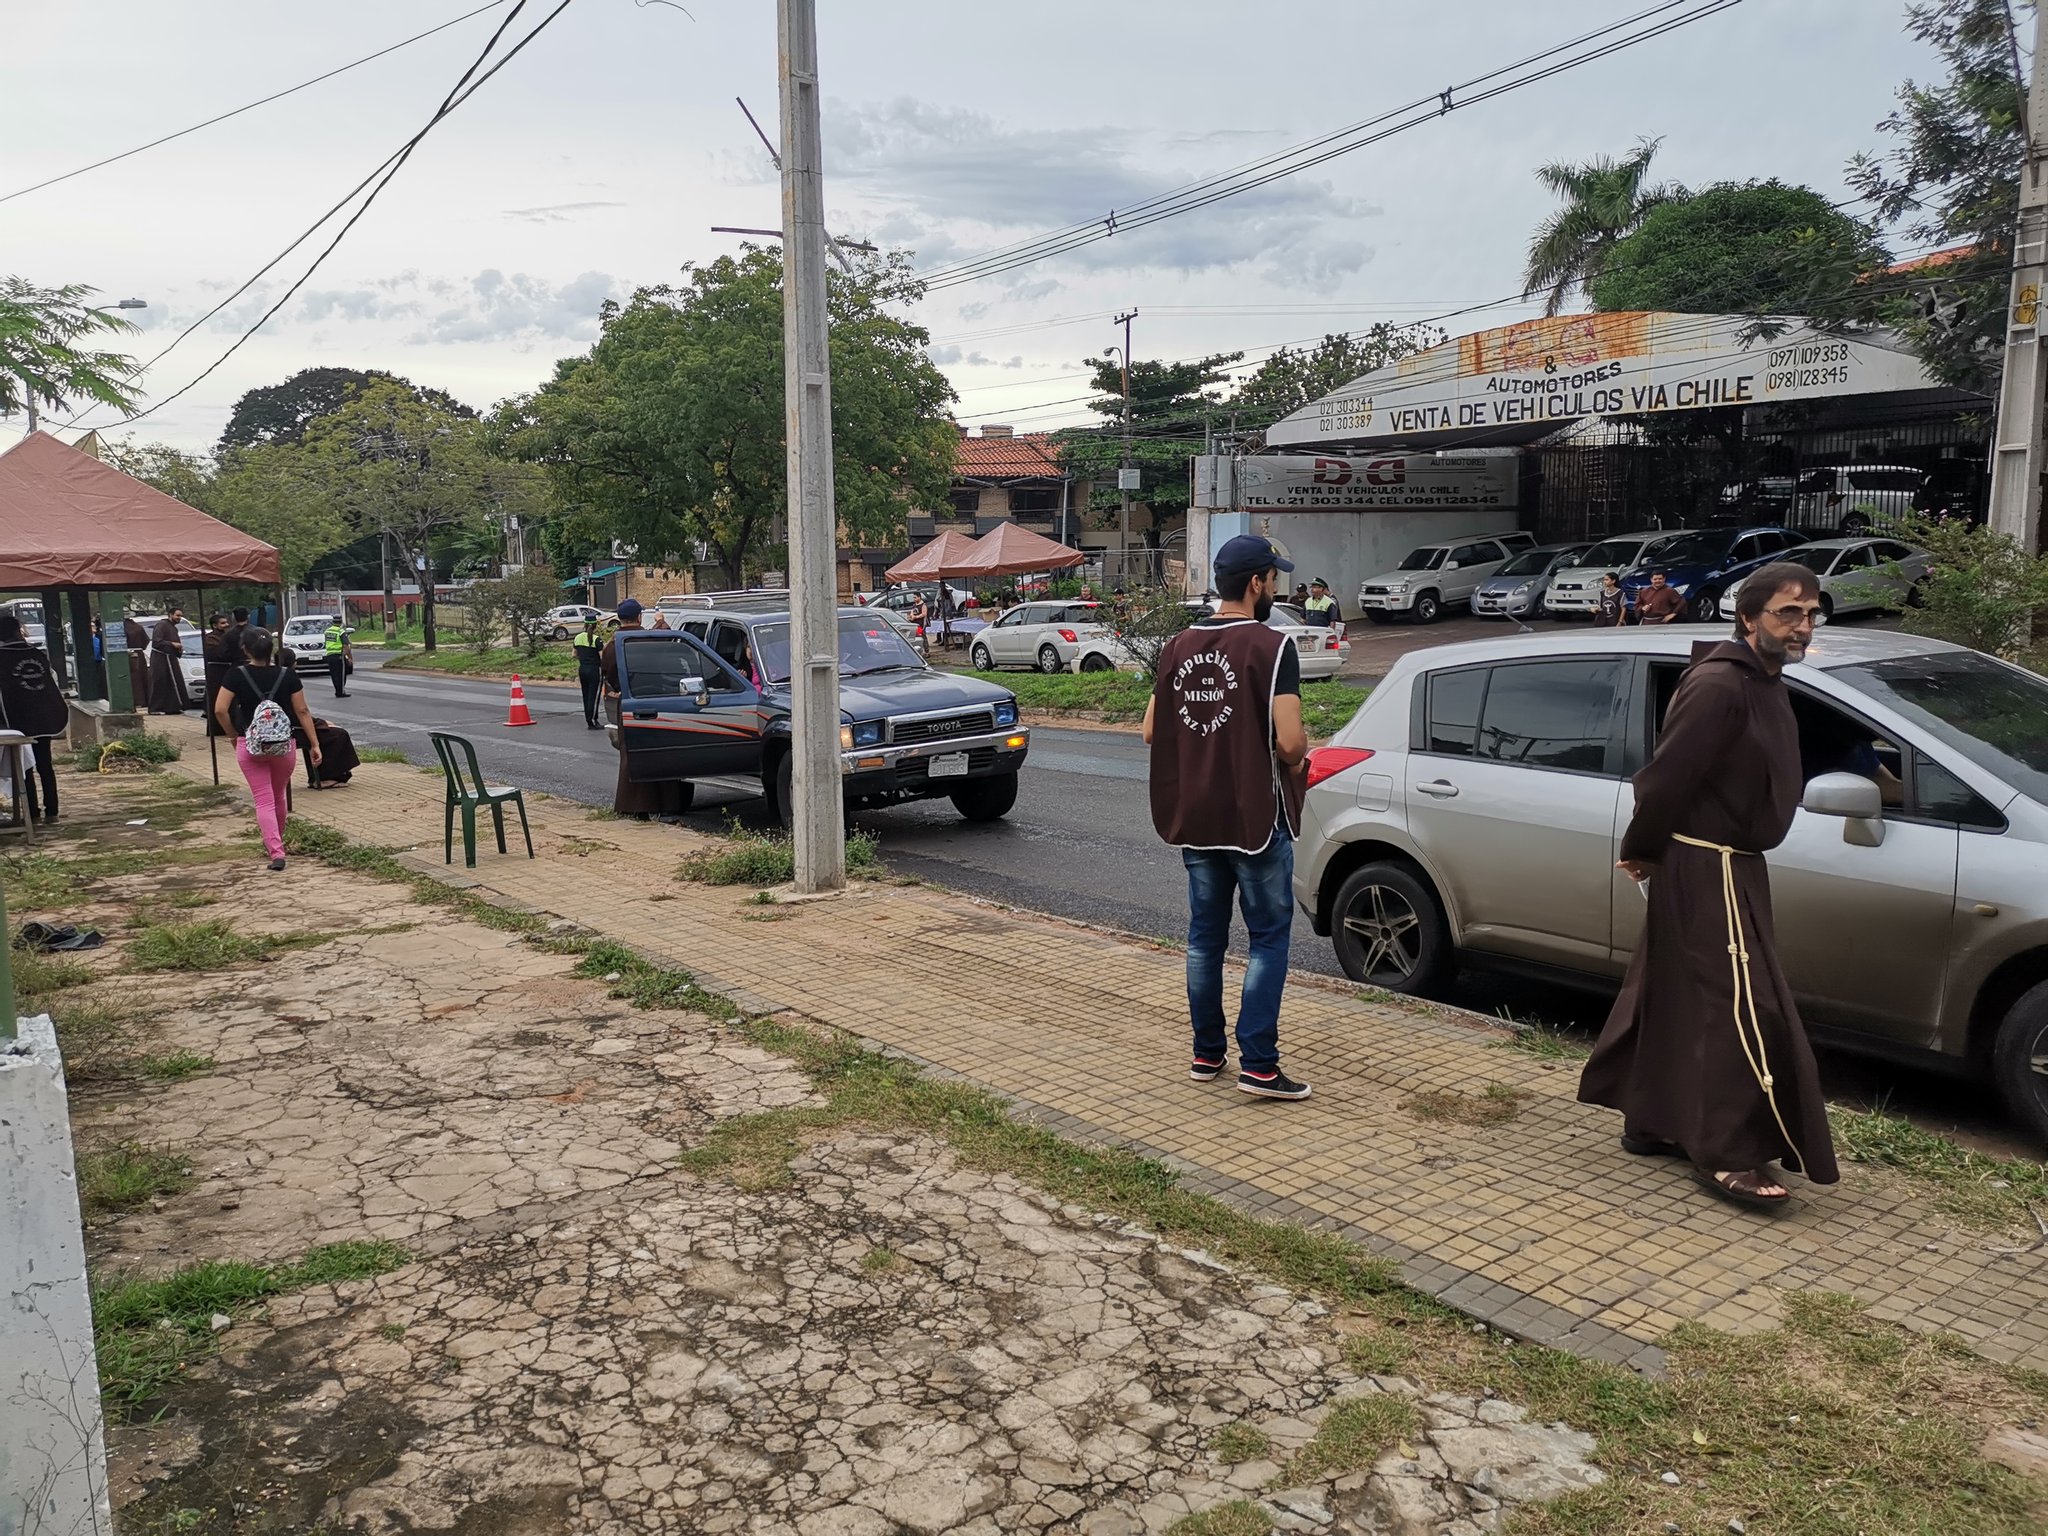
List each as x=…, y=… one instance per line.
x=1205, y=1071
x=1271, y=1085
x=277, y=863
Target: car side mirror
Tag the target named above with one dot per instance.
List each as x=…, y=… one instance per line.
x=1854, y=798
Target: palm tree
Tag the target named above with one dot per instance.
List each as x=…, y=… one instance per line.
x=1605, y=200
x=41, y=365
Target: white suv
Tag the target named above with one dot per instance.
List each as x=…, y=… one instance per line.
x=1855, y=499
x=1575, y=588
x=1435, y=575
x=306, y=637
x=1047, y=636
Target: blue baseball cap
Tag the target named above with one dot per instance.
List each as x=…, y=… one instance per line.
x=630, y=608
x=1250, y=552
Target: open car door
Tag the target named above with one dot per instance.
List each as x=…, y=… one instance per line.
x=683, y=712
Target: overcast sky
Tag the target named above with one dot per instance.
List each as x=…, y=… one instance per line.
x=600, y=157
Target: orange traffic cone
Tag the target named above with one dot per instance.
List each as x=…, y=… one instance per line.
x=520, y=715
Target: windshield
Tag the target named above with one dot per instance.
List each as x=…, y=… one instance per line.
x=1614, y=555
x=1993, y=714
x=1696, y=549
x=306, y=626
x=1286, y=613
x=865, y=645
x=1533, y=563
x=1813, y=559
x=1424, y=559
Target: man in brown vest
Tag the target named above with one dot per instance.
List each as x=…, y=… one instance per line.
x=1227, y=744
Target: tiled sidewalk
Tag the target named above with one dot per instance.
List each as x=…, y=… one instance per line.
x=1540, y=1224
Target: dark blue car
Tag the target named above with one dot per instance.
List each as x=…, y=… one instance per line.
x=1704, y=566
x=711, y=699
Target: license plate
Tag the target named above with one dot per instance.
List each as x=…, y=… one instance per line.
x=953, y=766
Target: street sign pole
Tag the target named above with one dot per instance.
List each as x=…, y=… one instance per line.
x=2017, y=458
x=818, y=825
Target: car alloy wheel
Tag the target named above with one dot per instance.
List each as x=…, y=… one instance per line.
x=1427, y=608
x=980, y=659
x=560, y=633
x=2019, y=1060
x=1389, y=929
x=1389, y=932
x=1049, y=659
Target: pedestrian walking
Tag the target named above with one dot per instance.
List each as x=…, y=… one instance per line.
x=1659, y=603
x=1704, y=1054
x=589, y=647
x=1613, y=609
x=335, y=644
x=258, y=705
x=167, y=692
x=642, y=802
x=32, y=703
x=1225, y=729
x=222, y=648
x=1320, y=607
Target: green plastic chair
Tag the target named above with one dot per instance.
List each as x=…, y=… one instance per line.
x=454, y=751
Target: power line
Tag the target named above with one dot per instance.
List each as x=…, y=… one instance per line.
x=252, y=106
x=457, y=95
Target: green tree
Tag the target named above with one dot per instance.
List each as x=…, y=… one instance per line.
x=1953, y=181
x=1170, y=403
x=1604, y=201
x=512, y=605
x=1756, y=248
x=668, y=434
x=268, y=492
x=1984, y=590
x=1289, y=379
x=280, y=413
x=44, y=364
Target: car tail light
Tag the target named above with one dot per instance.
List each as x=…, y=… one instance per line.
x=1069, y=636
x=1328, y=762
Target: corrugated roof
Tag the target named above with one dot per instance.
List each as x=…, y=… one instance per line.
x=1027, y=456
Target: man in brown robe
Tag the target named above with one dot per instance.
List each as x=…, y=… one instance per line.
x=167, y=693
x=640, y=801
x=138, y=661
x=1704, y=1053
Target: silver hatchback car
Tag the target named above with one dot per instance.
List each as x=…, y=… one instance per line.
x=1471, y=810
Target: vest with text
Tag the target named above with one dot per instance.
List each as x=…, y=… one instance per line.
x=1215, y=781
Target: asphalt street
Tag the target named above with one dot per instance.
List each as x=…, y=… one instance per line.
x=1079, y=845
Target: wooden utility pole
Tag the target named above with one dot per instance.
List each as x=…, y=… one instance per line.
x=2018, y=462
x=818, y=821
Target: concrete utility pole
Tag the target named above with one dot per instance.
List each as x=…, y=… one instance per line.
x=1124, y=478
x=818, y=825
x=2018, y=461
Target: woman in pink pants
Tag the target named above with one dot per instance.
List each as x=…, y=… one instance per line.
x=234, y=703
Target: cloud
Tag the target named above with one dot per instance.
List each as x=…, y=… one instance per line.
x=557, y=213
x=948, y=182
x=496, y=307
x=356, y=303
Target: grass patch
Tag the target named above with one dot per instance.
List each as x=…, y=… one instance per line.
x=93, y=1035
x=309, y=839
x=143, y=746
x=207, y=946
x=1240, y=1517
x=148, y=1331
x=1542, y=1042
x=38, y=975
x=762, y=858
x=1990, y=1192
x=1326, y=708
x=36, y=882
x=1496, y=1105
x=601, y=813
x=646, y=985
x=1354, y=1435
x=554, y=662
x=880, y=1260
x=1119, y=696
x=125, y=1174
x=383, y=755
x=173, y=1066
x=1239, y=1442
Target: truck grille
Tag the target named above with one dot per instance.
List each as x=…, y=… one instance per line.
x=942, y=727
x=979, y=760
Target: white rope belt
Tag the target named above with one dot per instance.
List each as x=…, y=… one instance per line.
x=1746, y=1022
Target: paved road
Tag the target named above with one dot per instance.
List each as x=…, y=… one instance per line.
x=1079, y=844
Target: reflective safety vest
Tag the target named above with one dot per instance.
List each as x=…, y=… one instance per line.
x=1319, y=608
x=337, y=637
x=587, y=639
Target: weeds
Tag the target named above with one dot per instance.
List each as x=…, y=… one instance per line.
x=149, y=749
x=880, y=1260
x=649, y=986
x=37, y=975
x=206, y=946
x=1353, y=1435
x=383, y=755
x=1542, y=1041
x=1239, y=1442
x=174, y=1066
x=1497, y=1105
x=147, y=1331
x=763, y=859
x=309, y=839
x=125, y=1174
x=1992, y=1192
x=1240, y=1517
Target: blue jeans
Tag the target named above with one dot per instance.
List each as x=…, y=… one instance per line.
x=1263, y=884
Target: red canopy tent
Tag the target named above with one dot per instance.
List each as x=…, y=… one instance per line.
x=943, y=557
x=1008, y=550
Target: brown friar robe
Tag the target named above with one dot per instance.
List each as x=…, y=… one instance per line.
x=628, y=798
x=1671, y=1058
x=167, y=693
x=138, y=661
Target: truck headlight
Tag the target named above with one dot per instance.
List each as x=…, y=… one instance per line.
x=1006, y=714
x=865, y=733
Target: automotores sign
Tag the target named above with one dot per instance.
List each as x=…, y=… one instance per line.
x=1556, y=370
x=1361, y=483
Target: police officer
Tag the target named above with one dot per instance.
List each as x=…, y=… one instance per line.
x=339, y=654
x=1320, y=607
x=589, y=648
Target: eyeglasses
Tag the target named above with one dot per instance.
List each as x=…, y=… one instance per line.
x=1793, y=613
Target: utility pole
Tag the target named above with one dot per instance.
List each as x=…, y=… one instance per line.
x=1126, y=477
x=2018, y=462
x=818, y=823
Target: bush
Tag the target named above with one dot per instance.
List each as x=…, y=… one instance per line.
x=1146, y=620
x=1984, y=590
x=764, y=859
x=511, y=605
x=152, y=751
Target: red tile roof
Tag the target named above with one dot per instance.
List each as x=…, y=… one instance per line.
x=1026, y=456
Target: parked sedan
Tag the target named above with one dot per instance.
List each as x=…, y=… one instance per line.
x=1702, y=566
x=1470, y=814
x=1857, y=575
x=560, y=623
x=1575, y=588
x=1046, y=636
x=1517, y=589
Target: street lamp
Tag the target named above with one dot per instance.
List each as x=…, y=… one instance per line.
x=130, y=304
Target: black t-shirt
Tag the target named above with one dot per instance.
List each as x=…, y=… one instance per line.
x=1289, y=680
x=245, y=685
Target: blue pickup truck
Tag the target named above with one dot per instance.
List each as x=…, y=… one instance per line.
x=711, y=699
